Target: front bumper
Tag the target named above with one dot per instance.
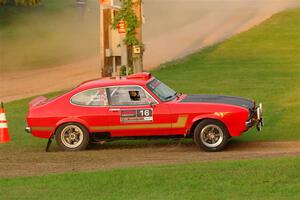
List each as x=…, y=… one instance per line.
x=256, y=119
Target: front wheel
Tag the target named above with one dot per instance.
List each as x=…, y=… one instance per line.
x=211, y=135
x=72, y=137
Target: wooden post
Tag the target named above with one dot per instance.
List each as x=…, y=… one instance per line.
x=137, y=53
x=106, y=58
x=102, y=53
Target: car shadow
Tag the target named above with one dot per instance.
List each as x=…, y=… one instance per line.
x=159, y=143
x=184, y=144
x=138, y=144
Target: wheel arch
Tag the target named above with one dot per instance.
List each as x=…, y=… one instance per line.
x=72, y=120
x=201, y=118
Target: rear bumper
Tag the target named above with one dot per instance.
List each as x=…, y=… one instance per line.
x=39, y=131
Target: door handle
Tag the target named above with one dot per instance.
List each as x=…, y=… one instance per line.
x=114, y=109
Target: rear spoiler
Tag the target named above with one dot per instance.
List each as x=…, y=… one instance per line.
x=37, y=101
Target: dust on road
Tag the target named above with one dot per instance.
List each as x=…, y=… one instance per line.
x=29, y=163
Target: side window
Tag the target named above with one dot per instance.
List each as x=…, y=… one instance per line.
x=122, y=96
x=92, y=97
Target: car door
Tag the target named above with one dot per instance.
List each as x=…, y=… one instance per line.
x=134, y=112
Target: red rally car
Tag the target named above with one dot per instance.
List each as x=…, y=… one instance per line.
x=139, y=105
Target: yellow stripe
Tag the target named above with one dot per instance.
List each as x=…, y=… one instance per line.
x=181, y=121
x=41, y=128
x=221, y=114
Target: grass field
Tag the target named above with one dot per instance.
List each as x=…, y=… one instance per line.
x=55, y=32
x=262, y=64
x=240, y=179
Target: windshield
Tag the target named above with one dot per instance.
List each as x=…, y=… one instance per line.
x=161, y=90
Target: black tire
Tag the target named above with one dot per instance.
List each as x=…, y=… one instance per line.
x=209, y=130
x=69, y=133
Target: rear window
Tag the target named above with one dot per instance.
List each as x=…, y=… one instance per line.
x=92, y=97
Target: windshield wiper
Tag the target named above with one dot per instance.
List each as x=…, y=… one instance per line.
x=171, y=96
x=178, y=94
x=168, y=97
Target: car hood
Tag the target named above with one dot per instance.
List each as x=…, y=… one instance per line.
x=207, y=98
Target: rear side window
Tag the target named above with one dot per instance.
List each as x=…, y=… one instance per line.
x=92, y=97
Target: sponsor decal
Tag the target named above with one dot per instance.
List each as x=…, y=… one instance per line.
x=137, y=115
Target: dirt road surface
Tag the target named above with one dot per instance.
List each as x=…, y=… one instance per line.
x=21, y=84
x=173, y=28
x=31, y=163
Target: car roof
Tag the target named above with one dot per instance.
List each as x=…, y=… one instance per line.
x=134, y=79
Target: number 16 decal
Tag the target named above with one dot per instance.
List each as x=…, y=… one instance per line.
x=144, y=113
x=139, y=115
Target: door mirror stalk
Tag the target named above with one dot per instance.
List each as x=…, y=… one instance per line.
x=152, y=104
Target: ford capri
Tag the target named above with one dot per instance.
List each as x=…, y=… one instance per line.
x=139, y=106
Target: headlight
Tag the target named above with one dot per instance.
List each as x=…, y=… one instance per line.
x=259, y=111
x=261, y=108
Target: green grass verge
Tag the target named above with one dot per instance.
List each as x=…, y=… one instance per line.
x=262, y=64
x=240, y=179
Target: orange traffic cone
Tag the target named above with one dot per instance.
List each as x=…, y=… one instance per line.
x=4, y=135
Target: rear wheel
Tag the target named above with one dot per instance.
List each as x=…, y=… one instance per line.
x=211, y=135
x=72, y=137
